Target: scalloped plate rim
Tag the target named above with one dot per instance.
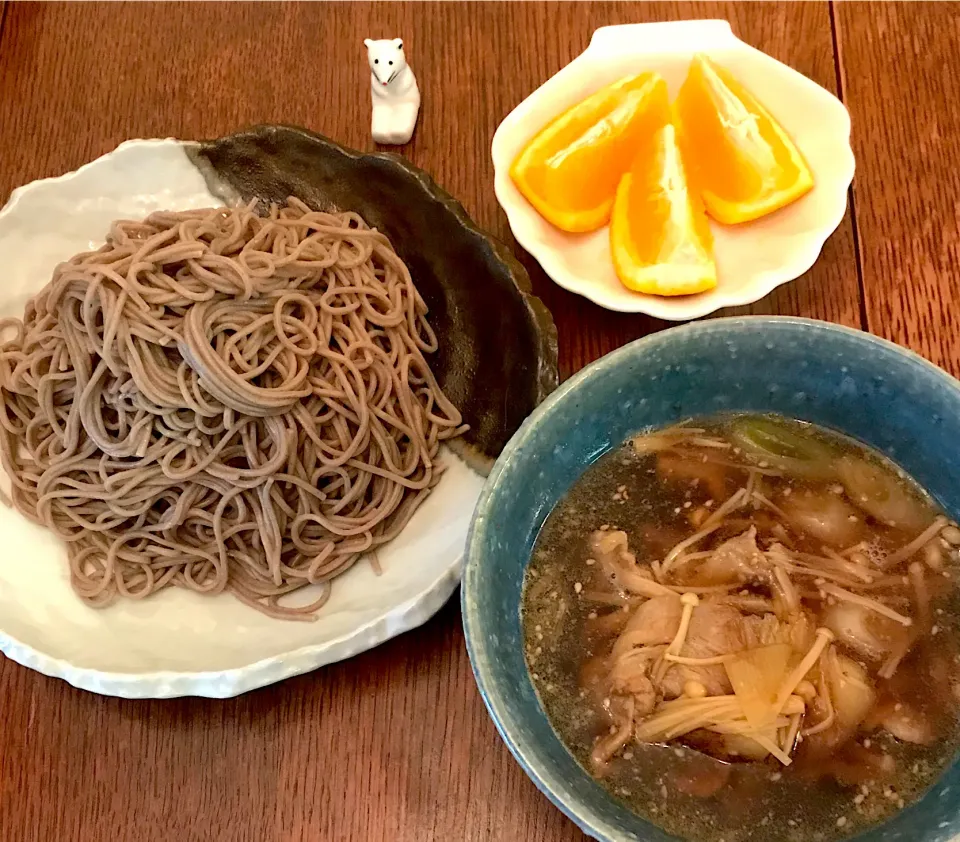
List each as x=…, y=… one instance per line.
x=525, y=223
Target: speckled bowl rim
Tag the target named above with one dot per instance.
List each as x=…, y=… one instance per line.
x=493, y=696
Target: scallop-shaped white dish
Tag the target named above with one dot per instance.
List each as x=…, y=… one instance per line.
x=177, y=642
x=752, y=259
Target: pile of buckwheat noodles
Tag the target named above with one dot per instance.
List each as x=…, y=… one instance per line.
x=224, y=402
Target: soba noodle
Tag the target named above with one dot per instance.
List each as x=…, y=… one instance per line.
x=224, y=402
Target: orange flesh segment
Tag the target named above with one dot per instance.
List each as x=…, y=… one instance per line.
x=660, y=238
x=570, y=170
x=743, y=163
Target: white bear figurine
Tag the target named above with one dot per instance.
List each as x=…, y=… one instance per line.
x=396, y=97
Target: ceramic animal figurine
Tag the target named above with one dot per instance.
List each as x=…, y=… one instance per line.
x=393, y=87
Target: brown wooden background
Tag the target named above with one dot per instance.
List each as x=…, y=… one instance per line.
x=395, y=745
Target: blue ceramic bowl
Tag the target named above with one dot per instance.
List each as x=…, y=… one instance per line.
x=840, y=378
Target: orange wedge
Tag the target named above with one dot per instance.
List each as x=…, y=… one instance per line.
x=569, y=171
x=743, y=163
x=660, y=237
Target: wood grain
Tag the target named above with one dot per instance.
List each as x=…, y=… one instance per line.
x=798, y=34
x=205, y=71
x=395, y=744
x=902, y=85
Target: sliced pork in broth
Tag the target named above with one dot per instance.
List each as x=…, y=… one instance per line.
x=746, y=628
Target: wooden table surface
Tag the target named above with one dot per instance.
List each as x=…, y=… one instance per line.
x=396, y=744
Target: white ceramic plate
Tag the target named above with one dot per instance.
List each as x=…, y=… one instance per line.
x=753, y=259
x=179, y=643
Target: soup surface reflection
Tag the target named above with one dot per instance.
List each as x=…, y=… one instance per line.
x=746, y=628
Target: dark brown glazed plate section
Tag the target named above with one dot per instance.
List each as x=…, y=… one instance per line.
x=498, y=343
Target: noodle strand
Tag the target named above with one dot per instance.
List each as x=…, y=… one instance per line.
x=221, y=401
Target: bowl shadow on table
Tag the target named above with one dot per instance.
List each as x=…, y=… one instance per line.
x=400, y=730
x=427, y=760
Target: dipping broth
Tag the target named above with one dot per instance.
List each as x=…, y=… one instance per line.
x=745, y=627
